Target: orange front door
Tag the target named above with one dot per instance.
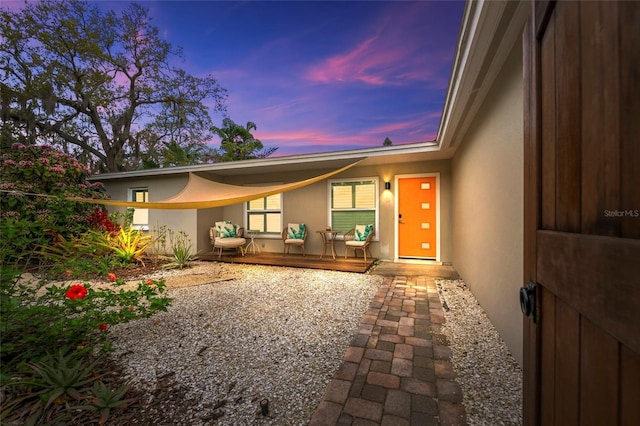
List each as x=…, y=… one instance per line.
x=417, y=217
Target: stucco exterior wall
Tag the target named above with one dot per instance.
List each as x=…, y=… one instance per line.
x=488, y=196
x=308, y=205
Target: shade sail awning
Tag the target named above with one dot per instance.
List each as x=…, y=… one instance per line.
x=201, y=193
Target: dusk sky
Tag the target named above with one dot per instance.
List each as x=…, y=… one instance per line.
x=320, y=76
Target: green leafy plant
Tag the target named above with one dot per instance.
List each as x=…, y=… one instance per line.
x=47, y=386
x=182, y=252
x=130, y=244
x=37, y=318
x=35, y=315
x=62, y=375
x=104, y=399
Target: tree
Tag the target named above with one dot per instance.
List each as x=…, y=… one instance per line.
x=387, y=142
x=237, y=142
x=98, y=86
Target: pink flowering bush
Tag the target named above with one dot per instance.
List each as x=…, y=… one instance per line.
x=34, y=181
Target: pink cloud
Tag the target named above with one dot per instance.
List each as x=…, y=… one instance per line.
x=367, y=62
x=400, y=49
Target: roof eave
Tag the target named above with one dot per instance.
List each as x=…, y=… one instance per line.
x=487, y=35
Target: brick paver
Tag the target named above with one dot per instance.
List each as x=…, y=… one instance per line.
x=397, y=369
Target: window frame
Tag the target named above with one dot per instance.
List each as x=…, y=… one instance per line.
x=132, y=197
x=376, y=181
x=264, y=212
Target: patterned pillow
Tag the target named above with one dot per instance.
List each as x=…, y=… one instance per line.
x=362, y=232
x=226, y=229
x=295, y=231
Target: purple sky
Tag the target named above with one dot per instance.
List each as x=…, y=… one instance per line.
x=320, y=76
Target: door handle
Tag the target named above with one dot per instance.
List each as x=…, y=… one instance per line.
x=528, y=300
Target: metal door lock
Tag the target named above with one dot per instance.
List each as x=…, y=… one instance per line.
x=528, y=300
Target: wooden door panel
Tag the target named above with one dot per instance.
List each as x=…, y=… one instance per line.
x=567, y=358
x=548, y=117
x=630, y=385
x=547, y=357
x=600, y=131
x=567, y=97
x=584, y=271
x=582, y=213
x=598, y=376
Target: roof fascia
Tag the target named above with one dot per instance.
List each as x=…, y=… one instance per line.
x=303, y=160
x=487, y=35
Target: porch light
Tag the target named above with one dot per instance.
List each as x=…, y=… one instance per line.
x=387, y=185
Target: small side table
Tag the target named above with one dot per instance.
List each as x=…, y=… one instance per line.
x=328, y=239
x=251, y=233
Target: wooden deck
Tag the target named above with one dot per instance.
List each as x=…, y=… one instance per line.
x=350, y=264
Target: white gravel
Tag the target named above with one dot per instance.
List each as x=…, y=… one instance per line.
x=237, y=334
x=268, y=332
x=489, y=376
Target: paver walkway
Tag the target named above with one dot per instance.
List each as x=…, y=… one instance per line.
x=397, y=369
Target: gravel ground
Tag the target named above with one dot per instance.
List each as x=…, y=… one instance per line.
x=253, y=333
x=238, y=334
x=490, y=378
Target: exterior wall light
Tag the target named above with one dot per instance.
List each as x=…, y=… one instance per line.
x=387, y=185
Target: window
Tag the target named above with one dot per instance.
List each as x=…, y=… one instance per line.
x=353, y=202
x=265, y=214
x=140, y=216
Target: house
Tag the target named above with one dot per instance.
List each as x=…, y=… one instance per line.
x=473, y=172
x=533, y=177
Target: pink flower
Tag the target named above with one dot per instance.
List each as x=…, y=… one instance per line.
x=76, y=291
x=25, y=163
x=43, y=160
x=9, y=163
x=103, y=327
x=111, y=276
x=55, y=169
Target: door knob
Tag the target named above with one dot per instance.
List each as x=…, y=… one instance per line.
x=528, y=300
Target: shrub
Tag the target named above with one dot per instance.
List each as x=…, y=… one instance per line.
x=35, y=180
x=181, y=248
x=72, y=321
x=129, y=244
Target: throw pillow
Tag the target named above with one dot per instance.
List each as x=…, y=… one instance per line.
x=226, y=229
x=362, y=232
x=295, y=231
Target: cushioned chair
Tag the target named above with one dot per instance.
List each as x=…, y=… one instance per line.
x=226, y=235
x=294, y=234
x=359, y=238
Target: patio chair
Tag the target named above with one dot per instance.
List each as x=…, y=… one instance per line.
x=295, y=234
x=359, y=238
x=226, y=235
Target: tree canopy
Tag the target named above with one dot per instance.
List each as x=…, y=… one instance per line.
x=237, y=142
x=100, y=86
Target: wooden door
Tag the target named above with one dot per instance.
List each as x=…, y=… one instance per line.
x=417, y=217
x=582, y=213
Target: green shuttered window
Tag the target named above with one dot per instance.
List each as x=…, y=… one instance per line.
x=353, y=202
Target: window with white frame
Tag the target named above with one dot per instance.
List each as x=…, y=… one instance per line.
x=353, y=202
x=140, y=216
x=265, y=214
